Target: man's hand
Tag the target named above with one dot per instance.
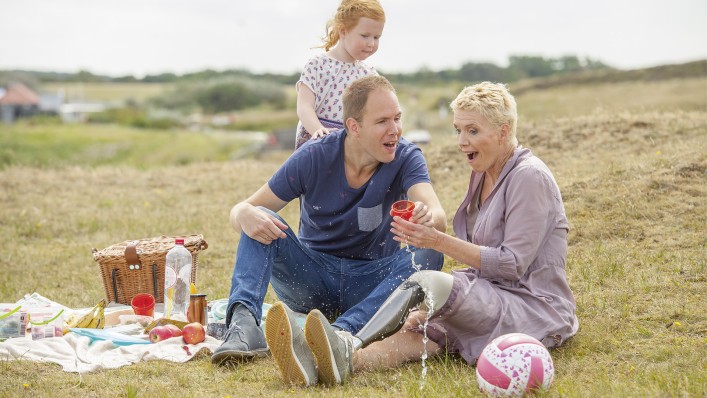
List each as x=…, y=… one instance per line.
x=421, y=214
x=260, y=225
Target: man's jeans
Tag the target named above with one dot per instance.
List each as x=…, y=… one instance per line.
x=347, y=290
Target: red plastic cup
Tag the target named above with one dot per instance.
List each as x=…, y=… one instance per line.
x=143, y=304
x=402, y=209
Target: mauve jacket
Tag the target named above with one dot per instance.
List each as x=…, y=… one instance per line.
x=522, y=284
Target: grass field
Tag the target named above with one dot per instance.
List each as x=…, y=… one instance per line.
x=630, y=159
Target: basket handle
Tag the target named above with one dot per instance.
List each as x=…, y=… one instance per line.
x=115, y=284
x=131, y=257
x=154, y=279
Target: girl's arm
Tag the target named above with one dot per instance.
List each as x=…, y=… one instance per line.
x=306, y=113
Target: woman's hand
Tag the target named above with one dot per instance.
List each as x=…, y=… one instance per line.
x=422, y=235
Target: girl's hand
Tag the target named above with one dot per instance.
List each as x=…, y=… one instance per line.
x=320, y=133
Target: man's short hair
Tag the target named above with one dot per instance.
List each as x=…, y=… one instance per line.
x=356, y=95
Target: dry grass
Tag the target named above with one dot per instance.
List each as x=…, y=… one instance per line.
x=634, y=183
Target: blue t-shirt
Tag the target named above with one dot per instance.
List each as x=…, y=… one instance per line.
x=335, y=218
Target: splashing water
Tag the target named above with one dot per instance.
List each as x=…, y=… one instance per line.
x=415, y=266
x=429, y=302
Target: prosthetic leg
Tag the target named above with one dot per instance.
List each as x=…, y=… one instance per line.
x=392, y=314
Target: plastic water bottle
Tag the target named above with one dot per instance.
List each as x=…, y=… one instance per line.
x=177, y=277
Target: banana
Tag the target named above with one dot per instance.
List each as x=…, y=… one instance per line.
x=100, y=318
x=93, y=319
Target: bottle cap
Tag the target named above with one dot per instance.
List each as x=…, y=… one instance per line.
x=179, y=241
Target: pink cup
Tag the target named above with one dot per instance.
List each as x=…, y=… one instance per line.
x=402, y=209
x=143, y=304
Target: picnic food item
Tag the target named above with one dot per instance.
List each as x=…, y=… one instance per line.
x=93, y=319
x=193, y=333
x=115, y=317
x=48, y=326
x=177, y=276
x=176, y=331
x=197, y=309
x=160, y=333
x=13, y=323
x=164, y=321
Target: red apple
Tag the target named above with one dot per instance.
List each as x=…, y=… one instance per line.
x=176, y=332
x=193, y=333
x=159, y=333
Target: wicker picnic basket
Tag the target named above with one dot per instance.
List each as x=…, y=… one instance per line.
x=137, y=266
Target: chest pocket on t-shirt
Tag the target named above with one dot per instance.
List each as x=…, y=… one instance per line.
x=369, y=218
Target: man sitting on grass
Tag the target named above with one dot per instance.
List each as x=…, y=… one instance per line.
x=344, y=260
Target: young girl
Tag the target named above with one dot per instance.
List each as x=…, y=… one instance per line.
x=354, y=34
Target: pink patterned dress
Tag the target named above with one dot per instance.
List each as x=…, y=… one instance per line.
x=327, y=78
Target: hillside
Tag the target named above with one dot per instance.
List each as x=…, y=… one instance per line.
x=630, y=159
x=696, y=69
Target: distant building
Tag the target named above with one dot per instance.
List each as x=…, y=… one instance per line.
x=418, y=136
x=16, y=101
x=78, y=112
x=50, y=104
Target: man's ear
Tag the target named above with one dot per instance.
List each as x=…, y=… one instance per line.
x=352, y=127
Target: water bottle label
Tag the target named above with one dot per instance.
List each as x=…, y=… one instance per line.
x=170, y=277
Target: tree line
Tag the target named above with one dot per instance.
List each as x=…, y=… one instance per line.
x=519, y=67
x=213, y=91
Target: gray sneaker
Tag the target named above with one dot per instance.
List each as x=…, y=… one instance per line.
x=244, y=339
x=332, y=349
x=288, y=347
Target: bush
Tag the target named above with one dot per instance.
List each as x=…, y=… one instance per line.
x=224, y=96
x=239, y=95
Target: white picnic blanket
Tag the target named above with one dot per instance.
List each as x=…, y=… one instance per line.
x=76, y=354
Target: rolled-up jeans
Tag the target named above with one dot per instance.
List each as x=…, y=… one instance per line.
x=346, y=290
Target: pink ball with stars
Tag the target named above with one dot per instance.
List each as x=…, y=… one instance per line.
x=514, y=364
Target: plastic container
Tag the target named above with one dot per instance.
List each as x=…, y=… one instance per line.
x=45, y=327
x=13, y=323
x=402, y=209
x=141, y=320
x=177, y=279
x=143, y=304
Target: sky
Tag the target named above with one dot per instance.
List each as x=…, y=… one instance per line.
x=140, y=37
